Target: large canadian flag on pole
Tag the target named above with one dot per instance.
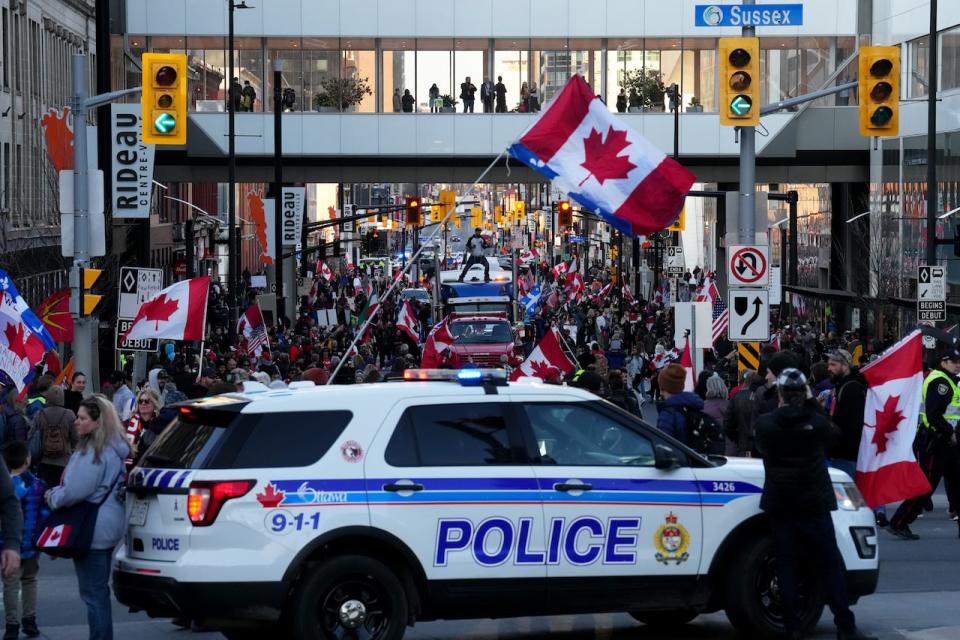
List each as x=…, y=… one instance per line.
x=887, y=470
x=179, y=312
x=546, y=361
x=603, y=164
x=438, y=341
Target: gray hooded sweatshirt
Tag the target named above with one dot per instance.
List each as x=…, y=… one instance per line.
x=84, y=479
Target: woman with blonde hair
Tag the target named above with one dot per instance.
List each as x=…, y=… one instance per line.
x=146, y=413
x=93, y=474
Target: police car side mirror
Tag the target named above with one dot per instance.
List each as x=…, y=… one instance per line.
x=666, y=459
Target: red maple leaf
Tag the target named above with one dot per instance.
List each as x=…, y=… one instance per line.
x=270, y=497
x=543, y=370
x=602, y=159
x=159, y=309
x=15, y=338
x=887, y=420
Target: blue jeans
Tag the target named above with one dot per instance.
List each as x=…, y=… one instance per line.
x=93, y=578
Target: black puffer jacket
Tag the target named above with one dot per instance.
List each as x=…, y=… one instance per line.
x=849, y=400
x=793, y=442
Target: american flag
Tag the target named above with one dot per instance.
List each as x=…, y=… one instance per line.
x=721, y=315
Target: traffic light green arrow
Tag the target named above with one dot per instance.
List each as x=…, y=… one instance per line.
x=164, y=123
x=741, y=105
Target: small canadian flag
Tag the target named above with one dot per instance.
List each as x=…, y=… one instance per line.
x=54, y=536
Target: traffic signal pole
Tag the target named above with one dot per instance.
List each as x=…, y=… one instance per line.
x=932, y=139
x=746, y=231
x=85, y=341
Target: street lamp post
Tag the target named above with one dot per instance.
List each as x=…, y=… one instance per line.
x=278, y=262
x=233, y=240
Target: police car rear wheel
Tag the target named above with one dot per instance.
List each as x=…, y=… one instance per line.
x=753, y=597
x=351, y=597
x=664, y=618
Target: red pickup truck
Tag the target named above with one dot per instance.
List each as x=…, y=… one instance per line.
x=482, y=339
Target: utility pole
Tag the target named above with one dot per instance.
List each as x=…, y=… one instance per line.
x=746, y=231
x=233, y=254
x=932, y=195
x=278, y=261
x=85, y=327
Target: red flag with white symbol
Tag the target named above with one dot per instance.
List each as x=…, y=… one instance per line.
x=324, y=270
x=53, y=537
x=437, y=342
x=686, y=361
x=178, y=312
x=408, y=323
x=547, y=361
x=887, y=470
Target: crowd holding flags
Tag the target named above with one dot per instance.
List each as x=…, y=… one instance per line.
x=23, y=337
x=252, y=331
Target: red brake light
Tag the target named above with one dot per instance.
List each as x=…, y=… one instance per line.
x=206, y=498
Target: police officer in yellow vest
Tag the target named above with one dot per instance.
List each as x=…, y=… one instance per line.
x=936, y=443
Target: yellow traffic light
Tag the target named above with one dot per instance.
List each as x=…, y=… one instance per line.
x=448, y=202
x=879, y=91
x=498, y=215
x=413, y=211
x=681, y=222
x=163, y=100
x=564, y=214
x=739, y=82
x=90, y=301
x=520, y=207
x=476, y=217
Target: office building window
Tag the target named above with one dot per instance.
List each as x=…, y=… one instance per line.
x=555, y=60
x=399, y=74
x=321, y=72
x=511, y=62
x=470, y=59
x=779, y=68
x=206, y=57
x=950, y=55
x=624, y=62
x=358, y=74
x=698, y=90
x=918, y=61
x=288, y=52
x=435, y=75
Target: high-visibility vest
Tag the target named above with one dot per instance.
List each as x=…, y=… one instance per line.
x=952, y=414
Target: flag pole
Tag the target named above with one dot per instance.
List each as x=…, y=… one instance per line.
x=412, y=261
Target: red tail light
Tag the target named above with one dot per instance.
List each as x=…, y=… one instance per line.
x=206, y=498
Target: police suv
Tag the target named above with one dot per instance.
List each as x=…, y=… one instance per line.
x=355, y=511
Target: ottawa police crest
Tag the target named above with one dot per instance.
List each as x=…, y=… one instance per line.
x=671, y=541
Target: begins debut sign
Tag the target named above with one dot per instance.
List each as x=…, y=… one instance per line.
x=131, y=166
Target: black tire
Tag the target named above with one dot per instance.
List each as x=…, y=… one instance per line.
x=664, y=619
x=752, y=599
x=316, y=604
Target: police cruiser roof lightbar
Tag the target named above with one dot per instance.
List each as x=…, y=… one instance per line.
x=466, y=377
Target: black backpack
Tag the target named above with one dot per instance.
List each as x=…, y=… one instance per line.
x=704, y=434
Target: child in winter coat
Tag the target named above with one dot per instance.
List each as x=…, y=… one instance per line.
x=20, y=589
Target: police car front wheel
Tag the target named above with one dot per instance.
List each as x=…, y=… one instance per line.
x=350, y=597
x=753, y=595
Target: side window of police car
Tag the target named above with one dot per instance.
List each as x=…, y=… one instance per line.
x=451, y=435
x=573, y=434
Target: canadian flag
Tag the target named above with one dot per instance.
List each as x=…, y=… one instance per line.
x=559, y=271
x=324, y=271
x=686, y=361
x=547, y=360
x=575, y=286
x=408, y=323
x=437, y=342
x=54, y=536
x=252, y=332
x=179, y=312
x=887, y=470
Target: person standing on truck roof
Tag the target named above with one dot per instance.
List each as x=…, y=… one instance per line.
x=475, y=252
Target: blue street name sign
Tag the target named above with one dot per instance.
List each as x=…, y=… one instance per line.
x=761, y=15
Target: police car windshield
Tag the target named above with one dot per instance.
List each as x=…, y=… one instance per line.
x=481, y=332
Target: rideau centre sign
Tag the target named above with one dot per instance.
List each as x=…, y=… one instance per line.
x=761, y=15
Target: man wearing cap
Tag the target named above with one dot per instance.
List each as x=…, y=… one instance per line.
x=850, y=397
x=798, y=496
x=936, y=441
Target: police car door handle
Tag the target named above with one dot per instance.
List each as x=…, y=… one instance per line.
x=564, y=486
x=403, y=487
